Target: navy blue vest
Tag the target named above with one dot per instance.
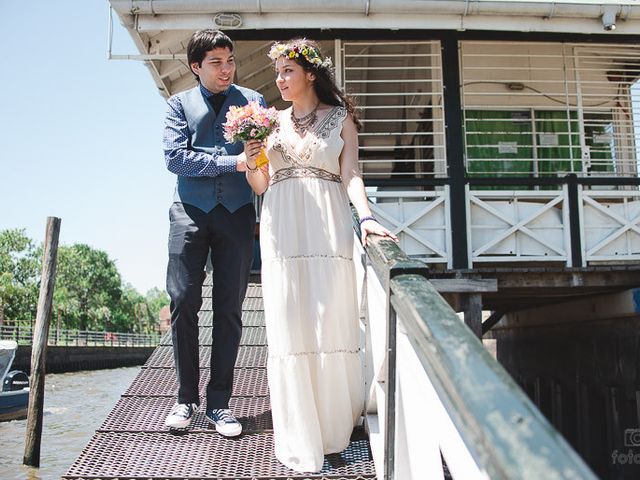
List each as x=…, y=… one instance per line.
x=205, y=127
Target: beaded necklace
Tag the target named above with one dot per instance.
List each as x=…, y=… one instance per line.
x=305, y=123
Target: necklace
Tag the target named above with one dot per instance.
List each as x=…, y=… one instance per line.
x=303, y=124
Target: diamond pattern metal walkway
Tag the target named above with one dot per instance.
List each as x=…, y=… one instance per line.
x=134, y=443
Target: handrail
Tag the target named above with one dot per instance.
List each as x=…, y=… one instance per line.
x=387, y=259
x=24, y=336
x=505, y=435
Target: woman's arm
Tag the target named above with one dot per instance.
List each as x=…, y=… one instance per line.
x=352, y=181
x=258, y=178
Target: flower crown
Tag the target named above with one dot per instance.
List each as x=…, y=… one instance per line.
x=309, y=53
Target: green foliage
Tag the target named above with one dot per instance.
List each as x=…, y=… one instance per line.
x=142, y=311
x=89, y=293
x=156, y=299
x=88, y=287
x=19, y=275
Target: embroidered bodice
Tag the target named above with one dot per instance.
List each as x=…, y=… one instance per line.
x=314, y=155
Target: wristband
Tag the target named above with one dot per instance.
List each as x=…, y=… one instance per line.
x=369, y=217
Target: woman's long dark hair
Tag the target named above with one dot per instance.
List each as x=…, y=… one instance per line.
x=325, y=84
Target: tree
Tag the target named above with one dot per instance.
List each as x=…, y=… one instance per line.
x=131, y=312
x=156, y=299
x=19, y=276
x=88, y=288
x=89, y=293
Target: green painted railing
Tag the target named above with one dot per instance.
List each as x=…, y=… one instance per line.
x=500, y=433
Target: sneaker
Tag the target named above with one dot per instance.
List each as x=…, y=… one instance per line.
x=180, y=415
x=226, y=424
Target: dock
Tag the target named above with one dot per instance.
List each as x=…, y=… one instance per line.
x=133, y=441
x=437, y=405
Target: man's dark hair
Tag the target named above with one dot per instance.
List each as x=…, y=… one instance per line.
x=204, y=41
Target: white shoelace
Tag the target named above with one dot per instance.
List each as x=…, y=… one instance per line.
x=180, y=409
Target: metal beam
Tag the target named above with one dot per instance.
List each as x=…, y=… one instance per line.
x=492, y=321
x=167, y=69
x=544, y=9
x=455, y=158
x=397, y=21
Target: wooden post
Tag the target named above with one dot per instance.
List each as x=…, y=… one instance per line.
x=473, y=313
x=39, y=345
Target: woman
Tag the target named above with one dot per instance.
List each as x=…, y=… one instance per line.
x=306, y=239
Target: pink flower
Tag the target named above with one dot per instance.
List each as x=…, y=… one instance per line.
x=251, y=121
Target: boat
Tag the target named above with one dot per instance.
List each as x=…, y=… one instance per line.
x=14, y=397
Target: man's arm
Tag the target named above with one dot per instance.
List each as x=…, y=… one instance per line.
x=188, y=163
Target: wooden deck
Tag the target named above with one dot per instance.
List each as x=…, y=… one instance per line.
x=521, y=286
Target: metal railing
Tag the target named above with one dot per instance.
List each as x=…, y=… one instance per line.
x=434, y=392
x=398, y=86
x=80, y=338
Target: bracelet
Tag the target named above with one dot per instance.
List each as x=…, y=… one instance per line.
x=369, y=217
x=252, y=169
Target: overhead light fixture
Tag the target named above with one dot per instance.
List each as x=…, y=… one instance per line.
x=228, y=20
x=609, y=18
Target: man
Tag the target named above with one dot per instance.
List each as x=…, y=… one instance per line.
x=212, y=212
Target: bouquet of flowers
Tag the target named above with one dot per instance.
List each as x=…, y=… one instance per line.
x=251, y=122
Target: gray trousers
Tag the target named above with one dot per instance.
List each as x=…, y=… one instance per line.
x=229, y=237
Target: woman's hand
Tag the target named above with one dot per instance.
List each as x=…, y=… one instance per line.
x=372, y=227
x=252, y=150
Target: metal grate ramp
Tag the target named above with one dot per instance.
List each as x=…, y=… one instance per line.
x=133, y=443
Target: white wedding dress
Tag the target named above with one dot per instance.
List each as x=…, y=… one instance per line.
x=309, y=290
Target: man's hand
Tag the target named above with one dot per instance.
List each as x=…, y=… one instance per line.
x=241, y=163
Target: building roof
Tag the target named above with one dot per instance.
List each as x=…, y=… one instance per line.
x=161, y=28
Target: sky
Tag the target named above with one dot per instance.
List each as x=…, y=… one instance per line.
x=82, y=136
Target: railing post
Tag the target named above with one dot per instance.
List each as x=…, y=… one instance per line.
x=390, y=421
x=455, y=153
x=473, y=312
x=574, y=220
x=58, y=325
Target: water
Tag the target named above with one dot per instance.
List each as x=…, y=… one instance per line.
x=75, y=405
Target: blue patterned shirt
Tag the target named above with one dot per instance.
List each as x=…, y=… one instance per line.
x=179, y=158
